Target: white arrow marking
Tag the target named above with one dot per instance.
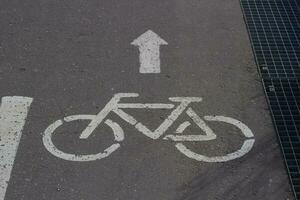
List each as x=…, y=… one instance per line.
x=13, y=113
x=149, y=43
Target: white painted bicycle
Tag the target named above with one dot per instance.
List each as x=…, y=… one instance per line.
x=115, y=106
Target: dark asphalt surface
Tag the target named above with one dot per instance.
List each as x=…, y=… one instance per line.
x=73, y=56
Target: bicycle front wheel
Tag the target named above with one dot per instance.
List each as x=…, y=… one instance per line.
x=246, y=147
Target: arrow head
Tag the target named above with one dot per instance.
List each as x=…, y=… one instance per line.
x=149, y=37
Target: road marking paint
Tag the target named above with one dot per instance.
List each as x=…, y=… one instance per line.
x=205, y=133
x=128, y=118
x=209, y=134
x=146, y=105
x=246, y=147
x=13, y=114
x=247, y=132
x=111, y=105
x=47, y=140
x=182, y=127
x=149, y=46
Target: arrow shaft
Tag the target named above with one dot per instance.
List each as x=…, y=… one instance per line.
x=149, y=59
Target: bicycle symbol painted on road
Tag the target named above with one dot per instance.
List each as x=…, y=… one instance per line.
x=183, y=106
x=14, y=111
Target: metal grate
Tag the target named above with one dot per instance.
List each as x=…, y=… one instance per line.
x=284, y=101
x=274, y=30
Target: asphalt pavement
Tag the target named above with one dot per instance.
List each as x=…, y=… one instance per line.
x=72, y=57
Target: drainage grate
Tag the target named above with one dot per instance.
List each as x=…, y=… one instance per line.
x=284, y=100
x=274, y=30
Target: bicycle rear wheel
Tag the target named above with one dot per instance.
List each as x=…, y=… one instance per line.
x=50, y=146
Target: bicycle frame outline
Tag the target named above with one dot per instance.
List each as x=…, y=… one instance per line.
x=114, y=106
